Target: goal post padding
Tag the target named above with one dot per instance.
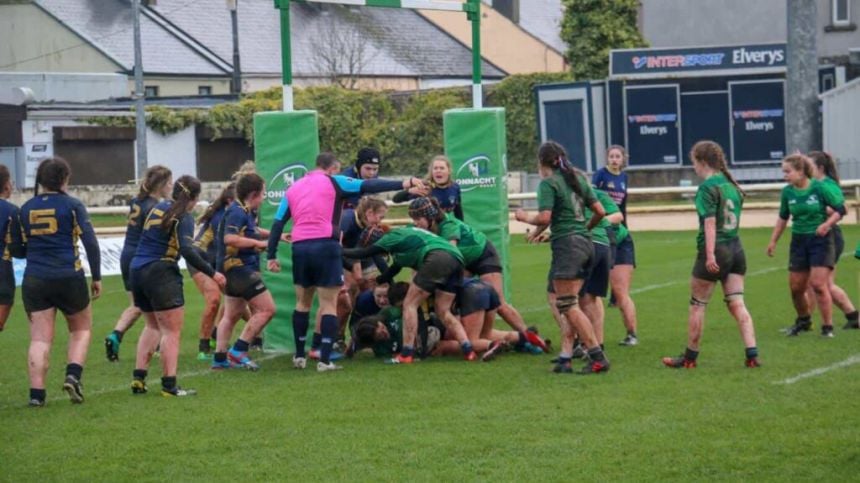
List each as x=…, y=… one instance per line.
x=475, y=143
x=286, y=145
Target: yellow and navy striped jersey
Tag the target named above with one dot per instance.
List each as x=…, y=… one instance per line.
x=138, y=210
x=10, y=230
x=51, y=225
x=238, y=220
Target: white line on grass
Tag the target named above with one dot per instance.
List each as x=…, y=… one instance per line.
x=126, y=387
x=657, y=286
x=855, y=359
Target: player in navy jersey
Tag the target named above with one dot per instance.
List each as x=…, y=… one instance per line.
x=157, y=184
x=51, y=224
x=205, y=246
x=10, y=245
x=366, y=167
x=156, y=282
x=239, y=243
x=441, y=185
x=613, y=180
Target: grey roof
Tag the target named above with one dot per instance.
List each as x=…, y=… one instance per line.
x=108, y=26
x=398, y=42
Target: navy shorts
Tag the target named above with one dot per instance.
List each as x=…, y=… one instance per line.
x=125, y=269
x=157, y=286
x=625, y=252
x=69, y=295
x=838, y=243
x=572, y=256
x=597, y=282
x=730, y=257
x=439, y=271
x=7, y=282
x=244, y=283
x=477, y=296
x=317, y=263
x=811, y=251
x=488, y=262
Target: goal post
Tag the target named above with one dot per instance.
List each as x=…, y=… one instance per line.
x=287, y=143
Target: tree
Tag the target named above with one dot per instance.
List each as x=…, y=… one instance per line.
x=592, y=27
x=342, y=52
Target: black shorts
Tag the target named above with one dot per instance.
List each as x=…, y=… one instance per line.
x=209, y=257
x=317, y=263
x=811, y=251
x=730, y=257
x=625, y=252
x=125, y=269
x=157, y=287
x=838, y=243
x=69, y=295
x=597, y=282
x=572, y=256
x=244, y=283
x=7, y=282
x=488, y=262
x=439, y=271
x=475, y=297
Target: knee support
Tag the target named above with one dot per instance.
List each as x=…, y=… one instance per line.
x=698, y=303
x=567, y=302
x=732, y=297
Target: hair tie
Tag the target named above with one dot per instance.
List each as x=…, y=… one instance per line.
x=187, y=192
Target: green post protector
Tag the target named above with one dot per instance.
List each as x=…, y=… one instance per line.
x=475, y=143
x=286, y=147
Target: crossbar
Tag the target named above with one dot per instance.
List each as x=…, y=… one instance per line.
x=450, y=5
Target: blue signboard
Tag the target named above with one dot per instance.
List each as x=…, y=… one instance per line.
x=758, y=121
x=647, y=62
x=652, y=125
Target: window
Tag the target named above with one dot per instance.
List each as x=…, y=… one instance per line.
x=204, y=90
x=150, y=91
x=841, y=12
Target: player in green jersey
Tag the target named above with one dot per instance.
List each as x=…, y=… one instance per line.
x=563, y=194
x=480, y=257
x=721, y=257
x=825, y=171
x=439, y=272
x=813, y=253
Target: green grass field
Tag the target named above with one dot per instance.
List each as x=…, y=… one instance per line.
x=448, y=420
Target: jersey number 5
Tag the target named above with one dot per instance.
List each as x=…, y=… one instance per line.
x=43, y=222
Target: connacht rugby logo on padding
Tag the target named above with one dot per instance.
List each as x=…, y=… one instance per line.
x=475, y=173
x=282, y=180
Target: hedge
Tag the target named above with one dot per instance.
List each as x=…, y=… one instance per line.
x=405, y=127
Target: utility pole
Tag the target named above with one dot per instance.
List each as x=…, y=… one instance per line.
x=236, y=85
x=801, y=87
x=139, y=94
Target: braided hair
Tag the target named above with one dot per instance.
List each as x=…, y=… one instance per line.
x=552, y=155
x=426, y=207
x=711, y=155
x=185, y=192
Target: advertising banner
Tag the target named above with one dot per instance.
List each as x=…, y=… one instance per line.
x=286, y=146
x=758, y=121
x=475, y=143
x=653, y=125
x=633, y=63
